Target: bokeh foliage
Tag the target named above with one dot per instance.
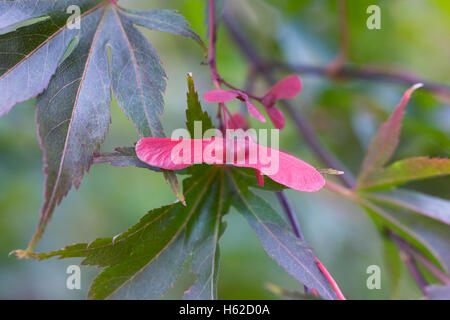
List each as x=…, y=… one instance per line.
x=346, y=113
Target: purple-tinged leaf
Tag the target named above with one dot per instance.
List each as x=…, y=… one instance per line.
x=432, y=207
x=31, y=54
x=278, y=240
x=386, y=139
x=393, y=261
x=73, y=114
x=162, y=20
x=13, y=12
x=436, y=292
x=429, y=236
x=138, y=78
x=137, y=75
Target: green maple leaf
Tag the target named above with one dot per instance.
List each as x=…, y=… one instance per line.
x=421, y=219
x=145, y=261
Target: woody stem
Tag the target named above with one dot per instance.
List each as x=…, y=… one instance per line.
x=212, y=51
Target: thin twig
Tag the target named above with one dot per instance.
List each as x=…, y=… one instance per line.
x=330, y=279
x=293, y=221
x=229, y=85
x=290, y=214
x=344, y=40
x=344, y=31
x=212, y=51
x=216, y=79
x=363, y=73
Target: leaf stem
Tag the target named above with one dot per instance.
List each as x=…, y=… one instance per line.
x=223, y=81
x=343, y=191
x=212, y=51
x=344, y=40
x=330, y=279
x=290, y=214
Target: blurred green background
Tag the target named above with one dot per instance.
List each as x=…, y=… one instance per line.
x=415, y=36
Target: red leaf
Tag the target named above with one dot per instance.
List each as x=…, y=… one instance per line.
x=175, y=154
x=227, y=95
x=254, y=111
x=220, y=95
x=277, y=117
x=386, y=139
x=238, y=121
x=284, y=89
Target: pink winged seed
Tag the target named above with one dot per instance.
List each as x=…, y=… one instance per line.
x=254, y=111
x=277, y=117
x=220, y=95
x=284, y=89
x=238, y=121
x=292, y=172
x=227, y=95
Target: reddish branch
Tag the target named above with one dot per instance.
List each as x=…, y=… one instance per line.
x=212, y=51
x=216, y=79
x=330, y=279
x=344, y=40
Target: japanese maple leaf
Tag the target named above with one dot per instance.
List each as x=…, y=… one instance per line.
x=74, y=71
x=145, y=261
